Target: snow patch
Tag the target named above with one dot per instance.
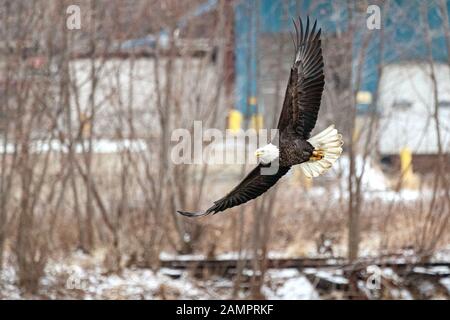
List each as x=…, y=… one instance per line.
x=298, y=288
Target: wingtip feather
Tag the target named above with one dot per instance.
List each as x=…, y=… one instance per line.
x=192, y=214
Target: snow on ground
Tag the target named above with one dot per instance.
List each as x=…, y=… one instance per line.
x=74, y=282
x=298, y=288
x=76, y=279
x=8, y=289
x=446, y=283
x=289, y=284
x=401, y=294
x=80, y=277
x=437, y=270
x=182, y=257
x=333, y=276
x=65, y=281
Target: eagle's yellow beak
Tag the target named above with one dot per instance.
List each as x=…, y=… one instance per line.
x=258, y=153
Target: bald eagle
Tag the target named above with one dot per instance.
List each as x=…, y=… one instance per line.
x=301, y=105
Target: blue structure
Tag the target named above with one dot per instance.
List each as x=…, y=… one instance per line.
x=163, y=36
x=402, y=23
x=246, y=48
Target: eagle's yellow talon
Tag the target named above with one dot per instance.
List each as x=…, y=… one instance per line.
x=317, y=155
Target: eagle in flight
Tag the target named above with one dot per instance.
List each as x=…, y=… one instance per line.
x=316, y=154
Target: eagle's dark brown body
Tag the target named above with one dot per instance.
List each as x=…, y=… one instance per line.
x=294, y=150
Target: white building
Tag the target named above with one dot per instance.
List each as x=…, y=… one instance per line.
x=407, y=104
x=132, y=88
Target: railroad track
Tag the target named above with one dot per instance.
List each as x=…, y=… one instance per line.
x=410, y=274
x=296, y=263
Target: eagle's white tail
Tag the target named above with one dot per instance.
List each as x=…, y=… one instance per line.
x=328, y=147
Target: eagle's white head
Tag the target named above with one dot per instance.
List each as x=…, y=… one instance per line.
x=267, y=153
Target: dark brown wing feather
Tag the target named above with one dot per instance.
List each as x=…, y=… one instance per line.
x=253, y=185
x=304, y=91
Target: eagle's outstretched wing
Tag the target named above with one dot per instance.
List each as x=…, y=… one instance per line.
x=300, y=109
x=306, y=82
x=253, y=185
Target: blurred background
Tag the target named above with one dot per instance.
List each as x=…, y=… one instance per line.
x=91, y=91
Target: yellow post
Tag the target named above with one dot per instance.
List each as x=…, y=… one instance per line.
x=409, y=179
x=364, y=97
x=234, y=120
x=406, y=162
